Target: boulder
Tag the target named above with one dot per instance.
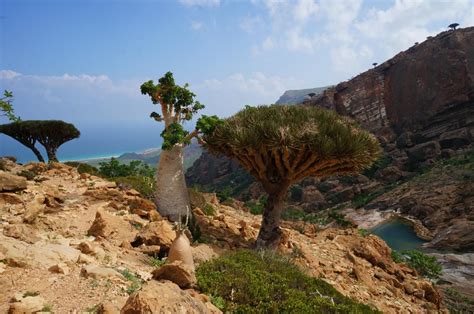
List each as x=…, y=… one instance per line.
x=21, y=232
x=389, y=174
x=177, y=272
x=26, y=305
x=423, y=152
x=155, y=233
x=163, y=297
x=11, y=183
x=33, y=209
x=312, y=195
x=111, y=227
x=457, y=138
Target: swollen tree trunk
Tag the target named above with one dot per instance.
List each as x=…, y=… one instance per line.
x=270, y=233
x=172, y=199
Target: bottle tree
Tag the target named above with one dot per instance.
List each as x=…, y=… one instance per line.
x=177, y=104
x=281, y=145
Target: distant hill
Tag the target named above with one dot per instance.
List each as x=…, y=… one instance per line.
x=296, y=96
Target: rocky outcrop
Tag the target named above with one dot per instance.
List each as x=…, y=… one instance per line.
x=423, y=98
x=291, y=97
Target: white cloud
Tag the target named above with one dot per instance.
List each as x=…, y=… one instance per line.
x=352, y=37
x=196, y=25
x=251, y=23
x=201, y=3
x=304, y=9
x=230, y=94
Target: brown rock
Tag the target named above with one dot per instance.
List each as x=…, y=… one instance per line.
x=11, y=183
x=97, y=272
x=177, y=272
x=163, y=297
x=59, y=268
x=110, y=226
x=22, y=232
x=9, y=198
x=33, y=209
x=26, y=305
x=155, y=233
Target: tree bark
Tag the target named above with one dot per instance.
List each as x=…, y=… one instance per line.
x=270, y=233
x=172, y=199
x=51, y=152
x=37, y=153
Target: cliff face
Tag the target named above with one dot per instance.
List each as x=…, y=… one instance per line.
x=426, y=92
x=291, y=97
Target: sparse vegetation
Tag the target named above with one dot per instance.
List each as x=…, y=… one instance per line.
x=457, y=302
x=28, y=174
x=47, y=308
x=209, y=210
x=426, y=265
x=264, y=282
x=135, y=281
x=155, y=262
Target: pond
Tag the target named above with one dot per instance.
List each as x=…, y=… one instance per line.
x=398, y=234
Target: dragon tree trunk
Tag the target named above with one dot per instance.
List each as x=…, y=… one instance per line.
x=270, y=233
x=37, y=153
x=172, y=199
x=51, y=152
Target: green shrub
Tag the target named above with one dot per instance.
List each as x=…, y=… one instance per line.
x=426, y=265
x=115, y=168
x=144, y=185
x=28, y=174
x=83, y=168
x=209, y=210
x=339, y=218
x=264, y=282
x=381, y=163
x=255, y=207
x=363, y=232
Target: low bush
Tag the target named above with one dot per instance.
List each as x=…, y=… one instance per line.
x=264, y=282
x=144, y=185
x=83, y=168
x=426, y=265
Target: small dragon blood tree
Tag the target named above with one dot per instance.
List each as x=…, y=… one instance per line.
x=281, y=145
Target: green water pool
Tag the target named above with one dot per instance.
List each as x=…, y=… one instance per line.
x=398, y=234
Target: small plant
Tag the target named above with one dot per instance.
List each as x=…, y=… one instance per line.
x=155, y=262
x=136, y=225
x=340, y=219
x=425, y=264
x=93, y=309
x=94, y=283
x=47, y=308
x=363, y=232
x=219, y=302
x=30, y=294
x=136, y=282
x=209, y=210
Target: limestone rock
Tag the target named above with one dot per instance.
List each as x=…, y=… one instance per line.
x=163, y=297
x=60, y=268
x=11, y=183
x=177, y=272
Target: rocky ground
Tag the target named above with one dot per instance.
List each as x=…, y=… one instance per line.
x=73, y=243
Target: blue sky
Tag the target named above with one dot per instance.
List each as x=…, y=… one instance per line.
x=83, y=61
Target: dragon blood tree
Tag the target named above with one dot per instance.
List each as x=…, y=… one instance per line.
x=49, y=133
x=281, y=145
x=177, y=106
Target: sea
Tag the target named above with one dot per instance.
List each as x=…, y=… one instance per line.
x=92, y=144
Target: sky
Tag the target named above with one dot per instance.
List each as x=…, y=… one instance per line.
x=84, y=61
